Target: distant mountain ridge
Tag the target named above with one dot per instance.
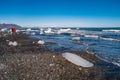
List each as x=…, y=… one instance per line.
x=9, y=25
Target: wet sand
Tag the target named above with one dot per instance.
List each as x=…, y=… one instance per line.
x=31, y=61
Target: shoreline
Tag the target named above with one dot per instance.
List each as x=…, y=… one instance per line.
x=35, y=62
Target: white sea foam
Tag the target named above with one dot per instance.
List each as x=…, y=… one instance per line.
x=77, y=60
x=95, y=36
x=115, y=63
x=110, y=39
x=111, y=30
x=29, y=29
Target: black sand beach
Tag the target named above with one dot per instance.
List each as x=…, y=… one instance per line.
x=31, y=61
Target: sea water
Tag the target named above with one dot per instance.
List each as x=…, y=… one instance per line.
x=104, y=42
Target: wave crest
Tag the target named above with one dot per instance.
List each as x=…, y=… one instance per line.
x=111, y=30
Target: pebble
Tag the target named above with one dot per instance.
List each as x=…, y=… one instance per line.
x=53, y=56
x=2, y=66
x=33, y=42
x=80, y=68
x=51, y=64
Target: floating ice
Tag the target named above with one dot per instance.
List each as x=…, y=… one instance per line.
x=63, y=30
x=3, y=30
x=41, y=31
x=48, y=31
x=33, y=33
x=41, y=42
x=77, y=60
x=76, y=38
x=29, y=29
x=92, y=36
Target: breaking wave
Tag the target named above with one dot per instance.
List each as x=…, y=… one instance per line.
x=111, y=30
x=110, y=39
x=95, y=36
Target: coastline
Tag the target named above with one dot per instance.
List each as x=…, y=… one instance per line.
x=28, y=61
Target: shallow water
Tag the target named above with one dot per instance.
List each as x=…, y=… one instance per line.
x=105, y=42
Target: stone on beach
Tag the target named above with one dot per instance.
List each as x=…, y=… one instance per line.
x=2, y=66
x=51, y=65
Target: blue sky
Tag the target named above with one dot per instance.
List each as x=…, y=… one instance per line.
x=65, y=13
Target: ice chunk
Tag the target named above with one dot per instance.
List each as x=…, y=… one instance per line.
x=3, y=30
x=92, y=36
x=41, y=31
x=49, y=31
x=63, y=30
x=77, y=60
x=76, y=38
x=29, y=29
x=41, y=42
x=13, y=43
x=10, y=43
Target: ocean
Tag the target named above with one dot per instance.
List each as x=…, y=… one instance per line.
x=104, y=42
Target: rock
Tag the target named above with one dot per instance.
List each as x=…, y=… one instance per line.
x=80, y=68
x=53, y=56
x=51, y=65
x=2, y=66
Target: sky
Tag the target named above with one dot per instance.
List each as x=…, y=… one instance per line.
x=61, y=13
